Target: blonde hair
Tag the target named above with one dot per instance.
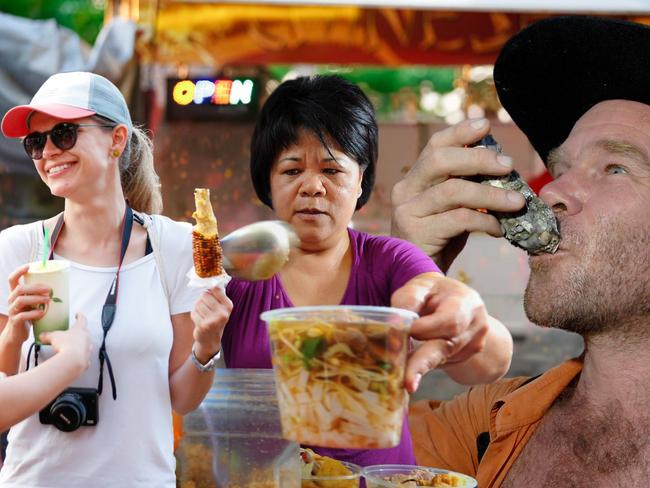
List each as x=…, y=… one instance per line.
x=140, y=182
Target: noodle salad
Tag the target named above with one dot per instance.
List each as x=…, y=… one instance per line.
x=340, y=380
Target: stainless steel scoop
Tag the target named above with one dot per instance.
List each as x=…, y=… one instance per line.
x=258, y=251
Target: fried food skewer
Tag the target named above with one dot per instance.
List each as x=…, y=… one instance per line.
x=206, y=249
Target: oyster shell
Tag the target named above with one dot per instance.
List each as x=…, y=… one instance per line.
x=534, y=227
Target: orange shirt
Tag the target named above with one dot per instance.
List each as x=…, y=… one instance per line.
x=445, y=434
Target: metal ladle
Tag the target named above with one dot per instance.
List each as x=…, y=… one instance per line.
x=258, y=251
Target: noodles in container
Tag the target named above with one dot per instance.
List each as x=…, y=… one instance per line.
x=339, y=373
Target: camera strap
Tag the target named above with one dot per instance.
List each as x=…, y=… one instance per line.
x=110, y=305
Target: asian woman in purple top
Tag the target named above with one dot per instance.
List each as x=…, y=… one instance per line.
x=313, y=158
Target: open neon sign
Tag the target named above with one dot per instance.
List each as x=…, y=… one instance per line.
x=218, y=92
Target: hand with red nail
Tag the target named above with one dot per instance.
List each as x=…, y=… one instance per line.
x=454, y=330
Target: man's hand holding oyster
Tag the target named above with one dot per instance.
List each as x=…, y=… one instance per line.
x=435, y=204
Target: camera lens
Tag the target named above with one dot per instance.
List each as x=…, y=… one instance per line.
x=68, y=412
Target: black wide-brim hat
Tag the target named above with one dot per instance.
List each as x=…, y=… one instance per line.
x=549, y=74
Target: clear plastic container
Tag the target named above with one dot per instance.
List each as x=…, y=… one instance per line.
x=234, y=438
x=395, y=476
x=339, y=481
x=340, y=373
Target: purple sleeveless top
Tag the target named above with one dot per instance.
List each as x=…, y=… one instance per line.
x=380, y=266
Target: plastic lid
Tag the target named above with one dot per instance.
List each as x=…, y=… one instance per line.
x=348, y=312
x=51, y=266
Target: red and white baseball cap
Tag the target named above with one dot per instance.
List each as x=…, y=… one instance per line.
x=70, y=96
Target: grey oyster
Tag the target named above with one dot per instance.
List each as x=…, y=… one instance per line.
x=534, y=227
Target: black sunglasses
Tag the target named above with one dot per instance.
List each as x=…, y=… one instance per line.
x=63, y=135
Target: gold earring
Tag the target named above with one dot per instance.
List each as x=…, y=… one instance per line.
x=116, y=153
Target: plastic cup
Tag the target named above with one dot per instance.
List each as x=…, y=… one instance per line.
x=389, y=476
x=234, y=439
x=56, y=275
x=339, y=374
x=338, y=481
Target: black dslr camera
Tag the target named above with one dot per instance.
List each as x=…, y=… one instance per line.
x=74, y=408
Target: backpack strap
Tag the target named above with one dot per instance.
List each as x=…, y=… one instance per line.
x=154, y=228
x=36, y=241
x=483, y=439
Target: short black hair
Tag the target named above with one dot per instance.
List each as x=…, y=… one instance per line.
x=329, y=106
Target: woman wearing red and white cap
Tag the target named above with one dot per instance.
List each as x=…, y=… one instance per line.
x=154, y=342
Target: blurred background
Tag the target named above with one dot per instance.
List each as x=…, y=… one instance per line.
x=196, y=72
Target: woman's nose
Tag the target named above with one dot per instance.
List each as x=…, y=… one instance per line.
x=312, y=185
x=564, y=194
x=50, y=148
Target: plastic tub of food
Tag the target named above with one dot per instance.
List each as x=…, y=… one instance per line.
x=234, y=438
x=325, y=472
x=339, y=374
x=402, y=476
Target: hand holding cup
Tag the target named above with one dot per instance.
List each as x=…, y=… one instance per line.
x=26, y=303
x=55, y=274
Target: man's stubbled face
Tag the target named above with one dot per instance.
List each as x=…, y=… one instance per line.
x=599, y=280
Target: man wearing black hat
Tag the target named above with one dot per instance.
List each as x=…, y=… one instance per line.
x=579, y=88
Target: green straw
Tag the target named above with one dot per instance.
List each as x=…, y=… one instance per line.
x=46, y=245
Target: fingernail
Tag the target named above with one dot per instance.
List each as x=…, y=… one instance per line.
x=514, y=196
x=479, y=124
x=504, y=160
x=416, y=381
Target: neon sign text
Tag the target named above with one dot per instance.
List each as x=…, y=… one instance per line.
x=217, y=92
